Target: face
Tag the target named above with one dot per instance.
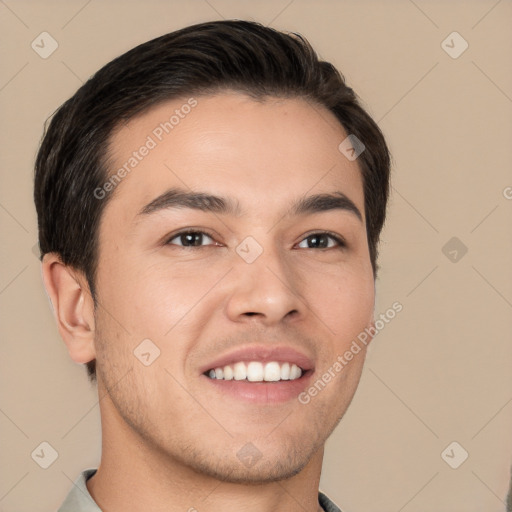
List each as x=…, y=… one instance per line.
x=257, y=280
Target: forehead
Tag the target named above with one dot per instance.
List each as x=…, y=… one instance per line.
x=265, y=153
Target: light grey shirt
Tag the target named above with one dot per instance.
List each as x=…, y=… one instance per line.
x=79, y=499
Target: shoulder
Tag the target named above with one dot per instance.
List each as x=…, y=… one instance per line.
x=78, y=498
x=327, y=504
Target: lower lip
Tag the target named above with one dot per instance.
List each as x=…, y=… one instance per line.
x=262, y=392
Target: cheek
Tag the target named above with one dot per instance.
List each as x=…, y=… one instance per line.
x=170, y=305
x=146, y=297
x=344, y=301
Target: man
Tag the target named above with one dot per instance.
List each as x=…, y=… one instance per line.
x=209, y=209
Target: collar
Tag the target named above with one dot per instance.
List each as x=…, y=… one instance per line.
x=80, y=500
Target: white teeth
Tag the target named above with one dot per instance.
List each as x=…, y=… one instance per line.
x=256, y=371
x=295, y=372
x=228, y=373
x=239, y=372
x=272, y=372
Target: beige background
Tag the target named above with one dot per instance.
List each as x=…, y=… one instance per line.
x=439, y=372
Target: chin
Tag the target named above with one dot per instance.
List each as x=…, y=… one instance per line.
x=263, y=472
x=248, y=465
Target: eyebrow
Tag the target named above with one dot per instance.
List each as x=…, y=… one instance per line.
x=180, y=198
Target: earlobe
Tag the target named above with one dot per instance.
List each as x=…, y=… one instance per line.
x=72, y=305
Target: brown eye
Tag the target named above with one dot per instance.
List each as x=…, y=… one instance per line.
x=189, y=239
x=321, y=241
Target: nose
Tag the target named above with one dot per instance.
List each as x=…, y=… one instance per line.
x=266, y=289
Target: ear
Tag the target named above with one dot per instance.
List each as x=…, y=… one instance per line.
x=73, y=307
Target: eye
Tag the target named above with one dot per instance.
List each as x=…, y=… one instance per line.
x=189, y=238
x=320, y=240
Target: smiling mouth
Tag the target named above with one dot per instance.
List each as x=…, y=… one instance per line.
x=256, y=371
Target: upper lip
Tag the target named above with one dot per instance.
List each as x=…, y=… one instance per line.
x=264, y=354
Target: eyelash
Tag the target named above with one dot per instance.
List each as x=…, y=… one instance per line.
x=338, y=239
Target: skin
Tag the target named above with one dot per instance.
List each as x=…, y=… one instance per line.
x=163, y=424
